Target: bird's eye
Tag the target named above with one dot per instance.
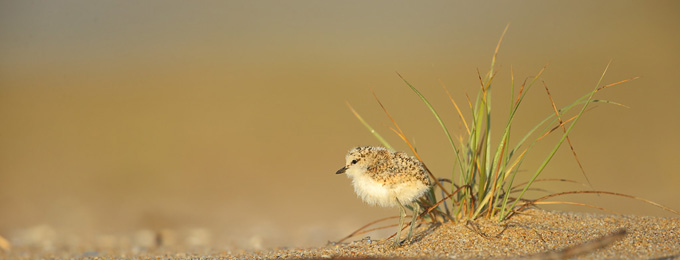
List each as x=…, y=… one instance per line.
x=355, y=161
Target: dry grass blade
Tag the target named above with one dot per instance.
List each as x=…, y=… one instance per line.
x=392, y=119
x=401, y=134
x=564, y=129
x=460, y=114
x=481, y=84
x=616, y=83
x=521, y=90
x=495, y=182
x=359, y=231
x=444, y=199
x=574, y=203
x=468, y=100
x=562, y=124
x=604, y=192
x=379, y=228
x=517, y=186
x=498, y=47
x=517, y=161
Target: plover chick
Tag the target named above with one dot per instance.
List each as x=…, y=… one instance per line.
x=388, y=179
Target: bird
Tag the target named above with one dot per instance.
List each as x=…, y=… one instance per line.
x=386, y=178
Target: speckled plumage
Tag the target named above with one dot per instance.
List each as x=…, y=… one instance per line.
x=380, y=176
x=387, y=178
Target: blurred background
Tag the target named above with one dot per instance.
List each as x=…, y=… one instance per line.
x=227, y=120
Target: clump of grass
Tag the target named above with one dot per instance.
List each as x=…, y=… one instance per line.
x=482, y=182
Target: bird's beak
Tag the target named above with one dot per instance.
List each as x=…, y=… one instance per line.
x=342, y=170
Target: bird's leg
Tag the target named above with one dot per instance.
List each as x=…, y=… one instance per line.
x=402, y=215
x=416, y=212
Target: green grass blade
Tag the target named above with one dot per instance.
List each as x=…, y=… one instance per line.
x=375, y=133
x=564, y=137
x=436, y=115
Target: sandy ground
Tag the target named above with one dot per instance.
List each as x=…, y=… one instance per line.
x=536, y=234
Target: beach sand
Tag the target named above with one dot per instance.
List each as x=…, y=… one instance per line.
x=534, y=234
